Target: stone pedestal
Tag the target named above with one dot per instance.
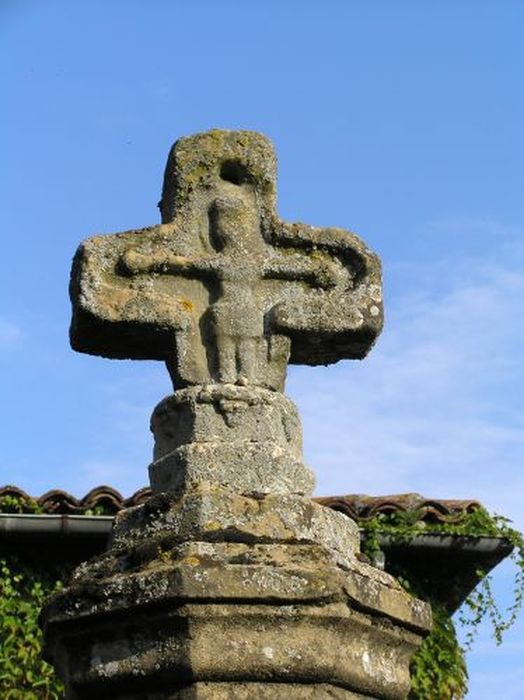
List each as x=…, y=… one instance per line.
x=208, y=593
x=229, y=582
x=245, y=439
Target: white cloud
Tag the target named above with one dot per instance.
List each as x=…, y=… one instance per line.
x=435, y=408
x=10, y=334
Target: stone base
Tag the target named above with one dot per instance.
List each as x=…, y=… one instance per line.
x=242, y=438
x=207, y=513
x=267, y=594
x=253, y=691
x=269, y=691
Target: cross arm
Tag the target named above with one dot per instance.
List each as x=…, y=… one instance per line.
x=339, y=322
x=117, y=315
x=315, y=270
x=134, y=262
x=339, y=243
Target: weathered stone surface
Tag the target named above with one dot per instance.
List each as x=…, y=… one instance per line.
x=243, y=466
x=246, y=439
x=275, y=615
x=266, y=691
x=275, y=593
x=229, y=582
x=250, y=691
x=156, y=647
x=222, y=290
x=212, y=514
x=199, y=571
x=226, y=413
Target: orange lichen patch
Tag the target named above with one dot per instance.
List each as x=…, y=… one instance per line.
x=192, y=560
x=187, y=305
x=211, y=526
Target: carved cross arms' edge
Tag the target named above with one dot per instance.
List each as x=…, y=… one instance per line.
x=147, y=294
x=120, y=313
x=344, y=322
x=117, y=315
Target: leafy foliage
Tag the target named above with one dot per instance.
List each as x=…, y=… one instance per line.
x=23, y=673
x=15, y=504
x=438, y=669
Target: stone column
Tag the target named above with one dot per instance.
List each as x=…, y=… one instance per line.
x=230, y=582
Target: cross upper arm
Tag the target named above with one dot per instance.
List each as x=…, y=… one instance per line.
x=135, y=262
x=339, y=244
x=341, y=321
x=317, y=271
x=117, y=309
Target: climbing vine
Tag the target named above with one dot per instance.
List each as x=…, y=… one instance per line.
x=15, y=504
x=23, y=673
x=438, y=669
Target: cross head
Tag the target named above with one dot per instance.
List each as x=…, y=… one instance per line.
x=222, y=290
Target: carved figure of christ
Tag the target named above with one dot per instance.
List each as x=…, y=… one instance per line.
x=241, y=262
x=223, y=290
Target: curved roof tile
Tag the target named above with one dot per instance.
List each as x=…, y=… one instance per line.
x=107, y=500
x=362, y=507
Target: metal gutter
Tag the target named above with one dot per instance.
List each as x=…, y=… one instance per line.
x=447, y=567
x=31, y=525
x=469, y=544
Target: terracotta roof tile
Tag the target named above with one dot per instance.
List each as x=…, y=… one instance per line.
x=357, y=506
x=61, y=502
x=362, y=507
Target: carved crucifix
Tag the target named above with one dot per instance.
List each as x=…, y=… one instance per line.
x=223, y=291
x=229, y=581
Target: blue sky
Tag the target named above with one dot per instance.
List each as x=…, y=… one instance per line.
x=399, y=120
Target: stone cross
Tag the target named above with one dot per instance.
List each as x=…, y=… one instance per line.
x=230, y=581
x=224, y=291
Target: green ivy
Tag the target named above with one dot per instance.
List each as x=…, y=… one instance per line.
x=23, y=673
x=438, y=669
x=101, y=509
x=16, y=504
